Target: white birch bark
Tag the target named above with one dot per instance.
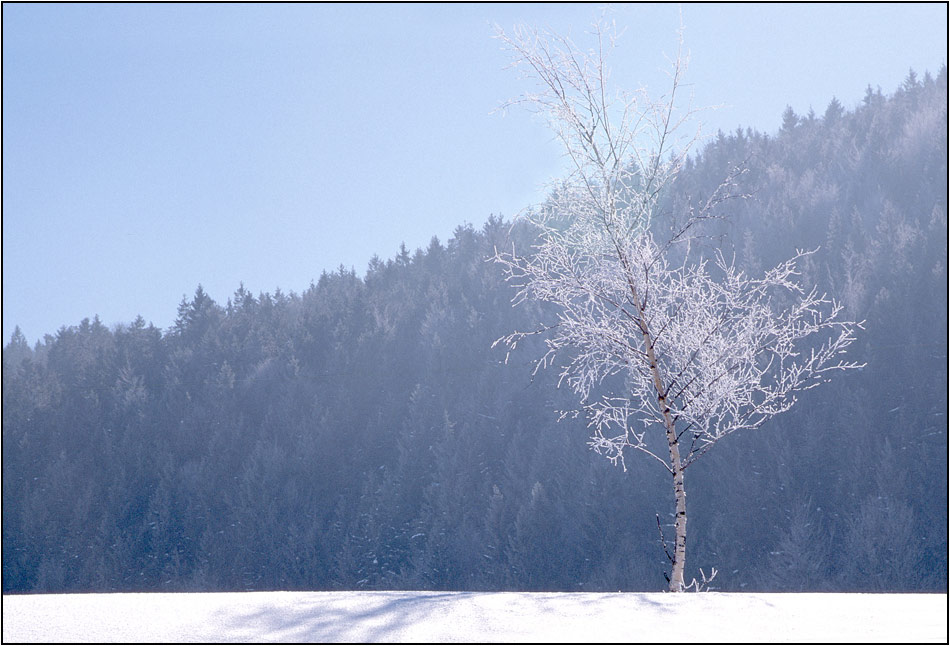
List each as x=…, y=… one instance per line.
x=703, y=349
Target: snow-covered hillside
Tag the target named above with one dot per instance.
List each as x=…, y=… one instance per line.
x=475, y=617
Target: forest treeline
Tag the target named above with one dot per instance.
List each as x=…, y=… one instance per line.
x=364, y=434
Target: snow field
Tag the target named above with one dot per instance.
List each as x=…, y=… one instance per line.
x=475, y=617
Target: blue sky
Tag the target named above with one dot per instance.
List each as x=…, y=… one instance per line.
x=149, y=148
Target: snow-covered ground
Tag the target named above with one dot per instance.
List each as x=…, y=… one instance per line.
x=475, y=617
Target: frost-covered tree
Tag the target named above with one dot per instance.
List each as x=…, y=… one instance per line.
x=668, y=345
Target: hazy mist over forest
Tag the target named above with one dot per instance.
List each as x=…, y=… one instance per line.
x=363, y=434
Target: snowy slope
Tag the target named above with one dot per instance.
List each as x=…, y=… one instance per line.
x=475, y=617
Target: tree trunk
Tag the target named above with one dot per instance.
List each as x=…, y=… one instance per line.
x=677, y=583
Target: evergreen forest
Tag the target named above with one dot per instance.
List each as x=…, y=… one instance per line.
x=365, y=434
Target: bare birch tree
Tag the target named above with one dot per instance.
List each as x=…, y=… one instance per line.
x=668, y=350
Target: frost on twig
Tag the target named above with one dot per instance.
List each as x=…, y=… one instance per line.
x=702, y=586
x=667, y=348
x=733, y=350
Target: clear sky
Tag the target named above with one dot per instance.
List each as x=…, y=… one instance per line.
x=148, y=148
